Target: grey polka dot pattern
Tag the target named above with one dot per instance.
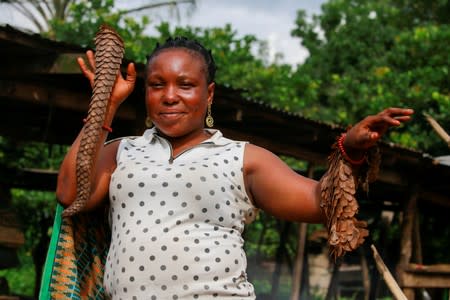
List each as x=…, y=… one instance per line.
x=177, y=223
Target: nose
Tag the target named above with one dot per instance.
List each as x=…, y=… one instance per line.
x=170, y=95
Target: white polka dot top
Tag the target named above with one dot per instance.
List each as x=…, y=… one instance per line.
x=176, y=223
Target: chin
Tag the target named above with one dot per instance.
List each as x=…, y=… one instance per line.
x=177, y=131
x=170, y=131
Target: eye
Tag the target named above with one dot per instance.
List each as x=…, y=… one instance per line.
x=156, y=84
x=186, y=85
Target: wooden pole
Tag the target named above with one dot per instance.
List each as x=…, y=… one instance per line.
x=365, y=273
x=300, y=256
x=406, y=241
x=333, y=292
x=298, y=267
x=417, y=242
x=281, y=252
x=387, y=276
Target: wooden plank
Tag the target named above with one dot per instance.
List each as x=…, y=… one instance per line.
x=392, y=177
x=11, y=237
x=34, y=179
x=40, y=93
x=10, y=233
x=425, y=280
x=435, y=198
x=436, y=268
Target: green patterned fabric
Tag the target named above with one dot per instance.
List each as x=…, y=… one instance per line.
x=76, y=257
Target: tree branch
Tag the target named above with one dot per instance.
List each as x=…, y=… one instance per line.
x=41, y=10
x=156, y=5
x=438, y=128
x=27, y=13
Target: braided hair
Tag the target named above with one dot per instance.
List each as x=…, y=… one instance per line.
x=191, y=45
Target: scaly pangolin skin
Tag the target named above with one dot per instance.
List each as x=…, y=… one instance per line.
x=338, y=201
x=108, y=58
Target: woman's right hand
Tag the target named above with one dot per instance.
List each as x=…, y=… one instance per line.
x=122, y=86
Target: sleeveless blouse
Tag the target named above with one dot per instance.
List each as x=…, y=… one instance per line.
x=177, y=223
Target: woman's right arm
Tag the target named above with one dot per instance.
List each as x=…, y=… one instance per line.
x=105, y=161
x=104, y=166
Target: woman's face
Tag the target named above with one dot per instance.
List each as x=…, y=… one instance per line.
x=177, y=93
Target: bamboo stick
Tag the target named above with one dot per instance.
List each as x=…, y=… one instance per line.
x=438, y=128
x=387, y=276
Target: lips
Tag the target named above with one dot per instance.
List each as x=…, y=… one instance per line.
x=171, y=115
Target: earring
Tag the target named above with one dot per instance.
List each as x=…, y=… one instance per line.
x=148, y=122
x=209, y=119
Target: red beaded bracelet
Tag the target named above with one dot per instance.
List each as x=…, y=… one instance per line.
x=104, y=127
x=340, y=143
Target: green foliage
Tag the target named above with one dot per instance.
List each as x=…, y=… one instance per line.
x=372, y=55
x=17, y=154
x=34, y=209
x=262, y=238
x=87, y=16
x=21, y=279
x=40, y=209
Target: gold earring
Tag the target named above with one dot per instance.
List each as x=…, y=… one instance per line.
x=209, y=119
x=148, y=122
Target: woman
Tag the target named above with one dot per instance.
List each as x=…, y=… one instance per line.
x=181, y=194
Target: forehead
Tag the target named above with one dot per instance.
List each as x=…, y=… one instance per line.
x=179, y=53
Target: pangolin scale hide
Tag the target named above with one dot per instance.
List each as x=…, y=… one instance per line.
x=108, y=58
x=338, y=189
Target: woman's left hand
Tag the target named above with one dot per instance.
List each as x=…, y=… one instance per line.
x=367, y=132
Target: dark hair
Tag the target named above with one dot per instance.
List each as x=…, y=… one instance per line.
x=193, y=45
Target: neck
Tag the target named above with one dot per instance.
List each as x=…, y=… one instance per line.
x=180, y=143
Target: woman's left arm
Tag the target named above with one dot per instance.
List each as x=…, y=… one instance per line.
x=277, y=189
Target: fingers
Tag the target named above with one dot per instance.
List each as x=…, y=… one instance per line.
x=399, y=111
x=403, y=118
x=131, y=74
x=88, y=72
x=91, y=59
x=395, y=112
x=85, y=70
x=368, y=131
x=130, y=78
x=395, y=116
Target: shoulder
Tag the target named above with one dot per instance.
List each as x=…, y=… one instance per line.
x=256, y=157
x=121, y=142
x=218, y=139
x=112, y=147
x=117, y=140
x=253, y=151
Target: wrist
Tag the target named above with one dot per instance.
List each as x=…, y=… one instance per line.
x=350, y=154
